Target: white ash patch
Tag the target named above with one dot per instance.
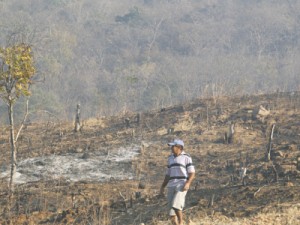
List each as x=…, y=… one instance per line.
x=92, y=167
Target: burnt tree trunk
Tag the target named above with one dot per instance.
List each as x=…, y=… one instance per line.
x=298, y=163
x=138, y=119
x=211, y=202
x=275, y=173
x=77, y=119
x=229, y=136
x=127, y=122
x=243, y=175
x=270, y=143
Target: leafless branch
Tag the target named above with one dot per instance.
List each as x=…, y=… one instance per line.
x=122, y=196
x=258, y=190
x=154, y=36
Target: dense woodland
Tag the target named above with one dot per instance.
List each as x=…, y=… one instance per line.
x=134, y=55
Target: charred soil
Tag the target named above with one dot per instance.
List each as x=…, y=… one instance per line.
x=219, y=157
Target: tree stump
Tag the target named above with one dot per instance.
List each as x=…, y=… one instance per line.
x=170, y=130
x=138, y=119
x=298, y=163
x=270, y=143
x=127, y=122
x=77, y=119
x=243, y=175
x=229, y=136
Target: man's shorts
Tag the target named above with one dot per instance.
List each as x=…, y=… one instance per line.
x=176, y=199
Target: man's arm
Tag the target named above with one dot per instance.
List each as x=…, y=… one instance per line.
x=189, y=182
x=164, y=184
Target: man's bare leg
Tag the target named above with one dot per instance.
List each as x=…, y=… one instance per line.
x=174, y=220
x=179, y=216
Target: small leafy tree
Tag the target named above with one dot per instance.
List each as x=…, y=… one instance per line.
x=16, y=72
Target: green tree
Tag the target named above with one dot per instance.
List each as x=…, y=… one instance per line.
x=16, y=72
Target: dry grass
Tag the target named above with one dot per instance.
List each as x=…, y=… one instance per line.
x=287, y=216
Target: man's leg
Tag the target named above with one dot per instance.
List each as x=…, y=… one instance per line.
x=172, y=213
x=177, y=206
x=174, y=220
x=176, y=199
x=179, y=216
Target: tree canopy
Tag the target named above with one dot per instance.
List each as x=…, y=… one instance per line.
x=17, y=69
x=136, y=55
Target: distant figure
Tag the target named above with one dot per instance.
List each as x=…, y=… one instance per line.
x=179, y=176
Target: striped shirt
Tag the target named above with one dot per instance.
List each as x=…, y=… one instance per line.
x=179, y=168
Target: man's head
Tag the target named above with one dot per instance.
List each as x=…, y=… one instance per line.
x=177, y=142
x=176, y=146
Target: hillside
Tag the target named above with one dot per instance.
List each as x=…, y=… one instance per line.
x=139, y=55
x=132, y=159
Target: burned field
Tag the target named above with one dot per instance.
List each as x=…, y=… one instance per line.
x=111, y=171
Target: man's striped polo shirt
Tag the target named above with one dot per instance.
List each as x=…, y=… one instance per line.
x=179, y=168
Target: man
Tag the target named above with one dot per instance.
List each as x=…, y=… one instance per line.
x=179, y=176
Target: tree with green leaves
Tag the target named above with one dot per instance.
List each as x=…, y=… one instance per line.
x=16, y=72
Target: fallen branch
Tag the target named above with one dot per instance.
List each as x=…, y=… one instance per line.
x=258, y=190
x=122, y=196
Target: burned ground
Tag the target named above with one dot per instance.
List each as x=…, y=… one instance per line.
x=202, y=124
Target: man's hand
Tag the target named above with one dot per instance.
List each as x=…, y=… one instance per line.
x=189, y=181
x=186, y=186
x=164, y=184
x=161, y=192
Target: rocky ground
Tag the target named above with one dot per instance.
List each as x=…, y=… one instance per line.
x=129, y=194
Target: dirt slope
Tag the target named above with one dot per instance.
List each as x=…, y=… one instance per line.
x=202, y=124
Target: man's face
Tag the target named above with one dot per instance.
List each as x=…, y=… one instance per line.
x=176, y=150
